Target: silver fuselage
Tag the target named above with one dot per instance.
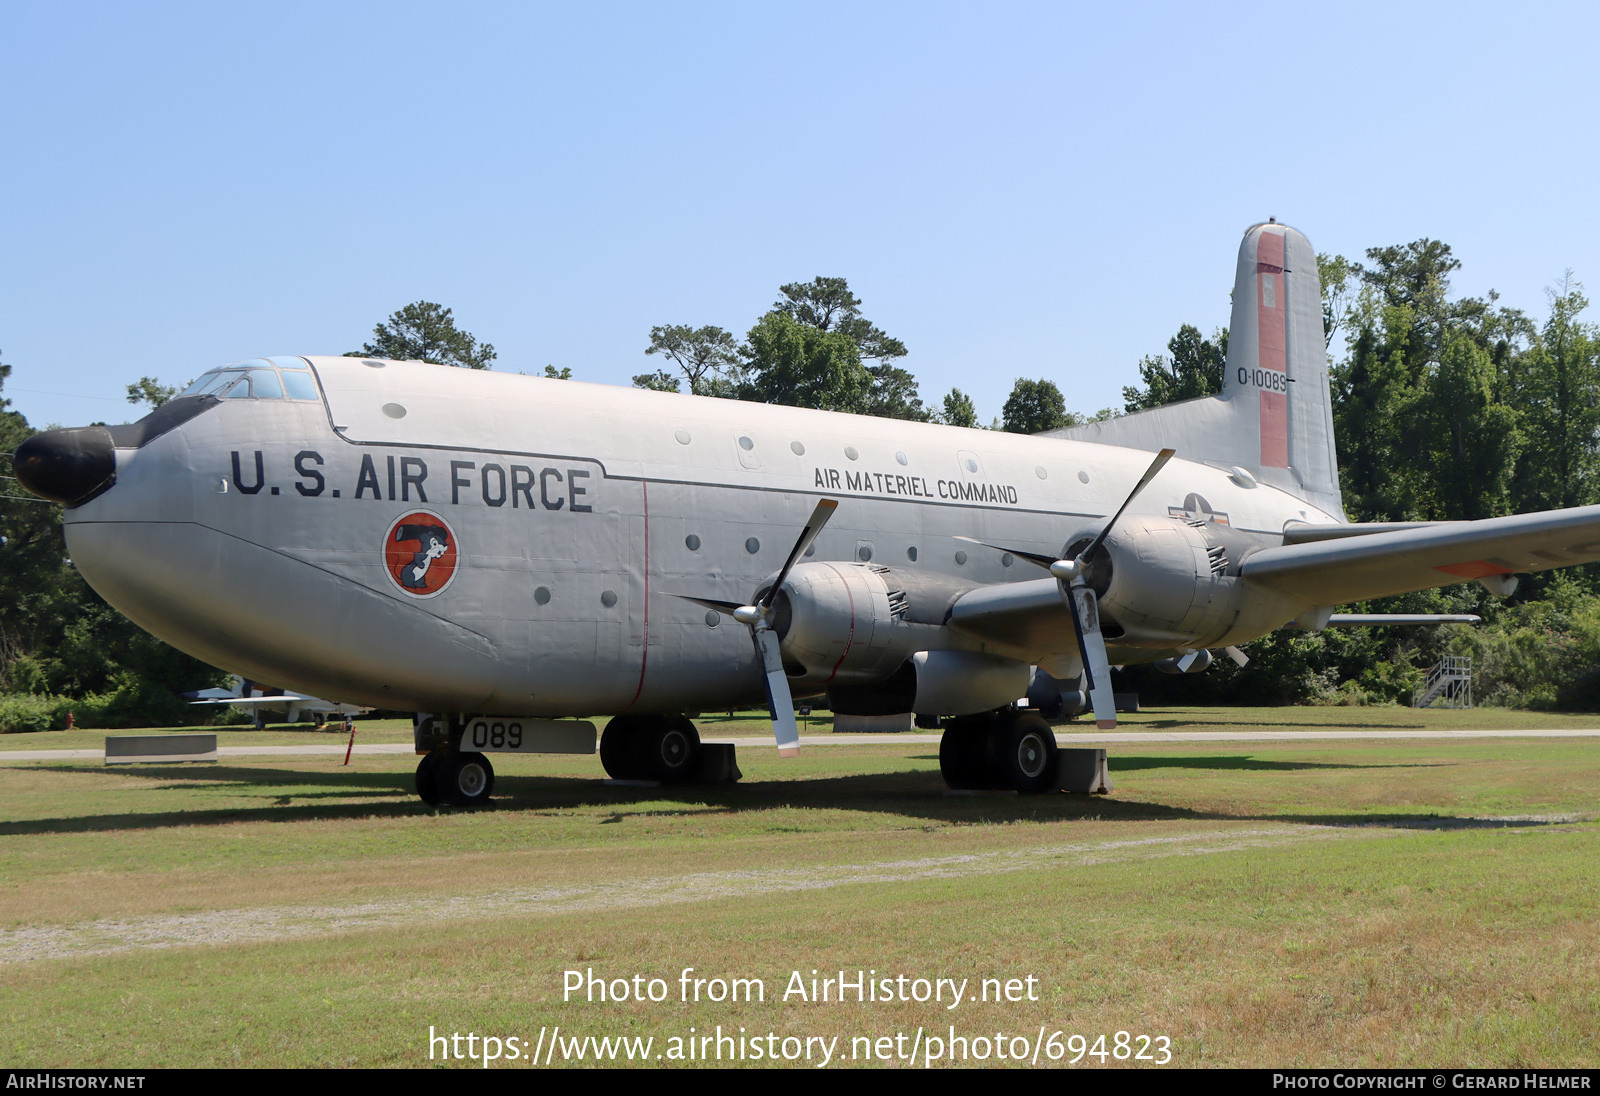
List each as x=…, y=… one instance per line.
x=254, y=535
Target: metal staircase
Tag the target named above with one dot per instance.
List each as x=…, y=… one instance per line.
x=1448, y=685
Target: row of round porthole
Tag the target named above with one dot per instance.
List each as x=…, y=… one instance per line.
x=396, y=411
x=747, y=443
x=863, y=552
x=608, y=598
x=852, y=453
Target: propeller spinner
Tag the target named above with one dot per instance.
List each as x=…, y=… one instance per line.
x=758, y=618
x=1082, y=604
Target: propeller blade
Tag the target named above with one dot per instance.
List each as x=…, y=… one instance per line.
x=819, y=518
x=779, y=698
x=1092, y=648
x=726, y=608
x=758, y=618
x=1031, y=557
x=1144, y=481
x=1240, y=659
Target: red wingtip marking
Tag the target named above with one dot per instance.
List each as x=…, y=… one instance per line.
x=1478, y=568
x=1106, y=724
x=792, y=751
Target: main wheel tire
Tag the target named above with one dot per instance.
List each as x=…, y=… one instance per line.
x=427, y=779
x=464, y=779
x=1022, y=751
x=617, y=748
x=668, y=751
x=962, y=761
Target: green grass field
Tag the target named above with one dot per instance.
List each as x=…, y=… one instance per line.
x=1373, y=902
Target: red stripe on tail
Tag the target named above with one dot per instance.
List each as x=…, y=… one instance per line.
x=1272, y=348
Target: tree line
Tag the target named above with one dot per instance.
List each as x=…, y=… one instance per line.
x=1445, y=408
x=814, y=348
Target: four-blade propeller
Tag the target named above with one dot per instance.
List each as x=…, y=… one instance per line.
x=758, y=618
x=1082, y=604
x=1076, y=592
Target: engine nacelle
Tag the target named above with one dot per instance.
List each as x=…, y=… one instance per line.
x=937, y=683
x=1174, y=582
x=1054, y=698
x=856, y=623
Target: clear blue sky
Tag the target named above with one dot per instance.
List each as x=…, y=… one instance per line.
x=1041, y=190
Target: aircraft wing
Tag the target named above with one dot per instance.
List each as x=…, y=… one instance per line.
x=1355, y=568
x=1028, y=616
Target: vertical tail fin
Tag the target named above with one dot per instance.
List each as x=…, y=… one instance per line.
x=1278, y=363
x=1274, y=415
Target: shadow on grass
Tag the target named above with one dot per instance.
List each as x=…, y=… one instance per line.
x=1213, y=761
x=1192, y=725
x=1244, y=762
x=294, y=796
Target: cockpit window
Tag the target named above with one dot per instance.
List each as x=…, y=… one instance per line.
x=198, y=385
x=215, y=383
x=299, y=384
x=258, y=379
x=266, y=384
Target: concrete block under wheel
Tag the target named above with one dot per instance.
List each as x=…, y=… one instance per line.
x=1083, y=771
x=871, y=724
x=717, y=764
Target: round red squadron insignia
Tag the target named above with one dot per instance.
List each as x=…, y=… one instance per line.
x=420, y=554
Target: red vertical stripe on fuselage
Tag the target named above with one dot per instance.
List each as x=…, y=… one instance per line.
x=644, y=649
x=1272, y=348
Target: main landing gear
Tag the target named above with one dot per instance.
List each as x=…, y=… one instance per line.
x=448, y=777
x=650, y=747
x=1004, y=749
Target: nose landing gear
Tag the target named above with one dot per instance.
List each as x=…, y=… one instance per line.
x=447, y=777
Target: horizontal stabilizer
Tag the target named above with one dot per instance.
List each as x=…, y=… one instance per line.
x=1376, y=620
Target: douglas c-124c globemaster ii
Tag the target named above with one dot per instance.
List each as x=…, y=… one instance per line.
x=498, y=552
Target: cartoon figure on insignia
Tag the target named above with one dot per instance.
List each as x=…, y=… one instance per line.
x=420, y=554
x=435, y=542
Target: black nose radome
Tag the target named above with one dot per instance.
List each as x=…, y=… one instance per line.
x=67, y=466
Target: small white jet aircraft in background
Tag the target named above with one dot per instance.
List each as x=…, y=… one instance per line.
x=498, y=553
x=258, y=701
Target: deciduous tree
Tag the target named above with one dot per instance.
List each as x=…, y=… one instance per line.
x=1193, y=370
x=959, y=410
x=151, y=391
x=828, y=305
x=707, y=356
x=426, y=332
x=802, y=365
x=1035, y=406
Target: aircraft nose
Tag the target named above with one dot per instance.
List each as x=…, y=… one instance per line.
x=67, y=466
